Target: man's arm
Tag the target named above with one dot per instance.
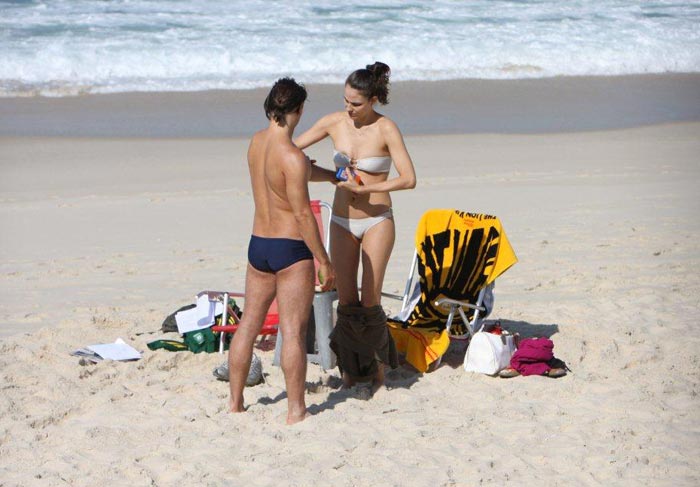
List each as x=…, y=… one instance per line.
x=321, y=174
x=296, y=174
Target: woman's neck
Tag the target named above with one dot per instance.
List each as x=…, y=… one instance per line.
x=359, y=123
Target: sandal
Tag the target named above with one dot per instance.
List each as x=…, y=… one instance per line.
x=508, y=372
x=555, y=373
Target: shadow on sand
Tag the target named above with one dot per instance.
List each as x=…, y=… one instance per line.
x=454, y=357
x=405, y=376
x=402, y=377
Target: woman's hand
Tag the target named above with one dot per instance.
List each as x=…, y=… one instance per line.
x=353, y=183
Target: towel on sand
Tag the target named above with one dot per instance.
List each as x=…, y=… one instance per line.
x=532, y=356
x=360, y=339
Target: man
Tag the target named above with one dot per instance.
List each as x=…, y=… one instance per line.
x=284, y=242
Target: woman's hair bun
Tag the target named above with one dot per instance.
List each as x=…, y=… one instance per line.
x=372, y=81
x=379, y=70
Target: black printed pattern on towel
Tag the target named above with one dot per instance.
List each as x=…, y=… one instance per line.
x=472, y=254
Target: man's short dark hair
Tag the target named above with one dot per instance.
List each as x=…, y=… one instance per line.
x=286, y=96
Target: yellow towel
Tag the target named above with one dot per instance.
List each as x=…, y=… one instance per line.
x=458, y=254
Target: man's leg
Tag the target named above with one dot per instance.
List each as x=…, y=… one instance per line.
x=260, y=290
x=295, y=292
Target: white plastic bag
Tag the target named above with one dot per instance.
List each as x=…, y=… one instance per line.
x=489, y=353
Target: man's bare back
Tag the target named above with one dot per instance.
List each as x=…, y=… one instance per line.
x=273, y=159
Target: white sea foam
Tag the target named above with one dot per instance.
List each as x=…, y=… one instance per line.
x=65, y=47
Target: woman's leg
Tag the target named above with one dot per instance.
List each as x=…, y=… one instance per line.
x=376, y=250
x=377, y=244
x=345, y=255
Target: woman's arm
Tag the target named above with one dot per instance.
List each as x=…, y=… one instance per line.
x=402, y=161
x=319, y=131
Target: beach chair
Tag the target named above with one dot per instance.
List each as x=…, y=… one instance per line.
x=231, y=318
x=458, y=256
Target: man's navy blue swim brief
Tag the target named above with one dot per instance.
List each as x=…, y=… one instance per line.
x=275, y=254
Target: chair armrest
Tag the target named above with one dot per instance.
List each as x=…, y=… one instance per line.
x=213, y=295
x=392, y=296
x=454, y=302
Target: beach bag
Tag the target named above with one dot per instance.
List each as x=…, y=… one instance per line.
x=196, y=341
x=204, y=340
x=169, y=324
x=230, y=319
x=489, y=353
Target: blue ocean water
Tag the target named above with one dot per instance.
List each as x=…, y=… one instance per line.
x=64, y=47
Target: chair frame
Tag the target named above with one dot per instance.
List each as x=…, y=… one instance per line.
x=452, y=304
x=223, y=296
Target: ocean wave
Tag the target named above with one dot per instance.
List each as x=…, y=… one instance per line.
x=65, y=48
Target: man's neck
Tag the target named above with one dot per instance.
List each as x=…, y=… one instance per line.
x=287, y=130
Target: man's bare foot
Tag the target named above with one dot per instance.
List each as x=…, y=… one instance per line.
x=296, y=418
x=234, y=407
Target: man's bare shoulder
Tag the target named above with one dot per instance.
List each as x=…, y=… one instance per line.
x=292, y=162
x=258, y=137
x=257, y=141
x=292, y=157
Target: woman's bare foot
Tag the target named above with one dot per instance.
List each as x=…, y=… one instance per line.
x=378, y=380
x=348, y=381
x=364, y=391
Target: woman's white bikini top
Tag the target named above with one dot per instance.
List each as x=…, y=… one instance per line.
x=367, y=164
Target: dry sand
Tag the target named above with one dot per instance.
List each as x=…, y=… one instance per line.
x=102, y=238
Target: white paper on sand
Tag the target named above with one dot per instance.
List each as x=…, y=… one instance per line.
x=200, y=317
x=119, y=350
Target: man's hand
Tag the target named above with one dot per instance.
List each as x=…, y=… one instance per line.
x=326, y=276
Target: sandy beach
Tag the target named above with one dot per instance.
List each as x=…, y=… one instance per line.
x=103, y=236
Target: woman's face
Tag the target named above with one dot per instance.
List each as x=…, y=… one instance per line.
x=356, y=104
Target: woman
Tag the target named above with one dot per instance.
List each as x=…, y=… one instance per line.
x=366, y=143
